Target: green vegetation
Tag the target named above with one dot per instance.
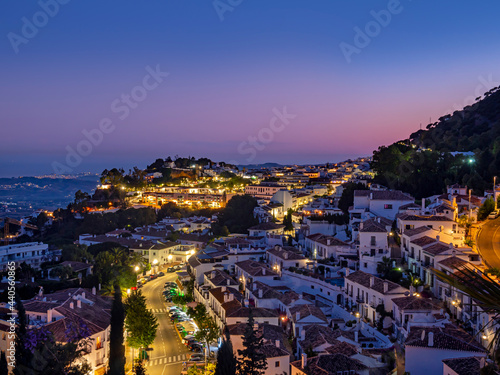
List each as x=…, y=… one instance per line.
x=252, y=361
x=237, y=216
x=116, y=347
x=208, y=330
x=226, y=361
x=140, y=322
x=423, y=165
x=486, y=208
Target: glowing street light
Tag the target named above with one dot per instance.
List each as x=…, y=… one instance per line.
x=136, y=268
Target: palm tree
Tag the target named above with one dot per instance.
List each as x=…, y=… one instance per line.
x=385, y=266
x=483, y=290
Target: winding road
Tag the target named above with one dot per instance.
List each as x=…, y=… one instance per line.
x=488, y=242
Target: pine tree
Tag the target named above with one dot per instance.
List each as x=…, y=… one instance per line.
x=226, y=362
x=4, y=370
x=23, y=357
x=116, y=347
x=252, y=361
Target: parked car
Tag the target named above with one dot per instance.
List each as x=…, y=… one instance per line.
x=186, y=339
x=170, y=269
x=161, y=274
x=197, y=358
x=493, y=214
x=196, y=348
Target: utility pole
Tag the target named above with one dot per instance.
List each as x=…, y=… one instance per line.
x=469, y=203
x=495, y=191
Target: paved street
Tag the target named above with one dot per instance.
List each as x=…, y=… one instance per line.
x=168, y=352
x=488, y=242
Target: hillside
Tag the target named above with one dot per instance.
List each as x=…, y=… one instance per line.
x=460, y=147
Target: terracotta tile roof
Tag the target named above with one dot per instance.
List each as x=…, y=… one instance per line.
x=453, y=263
x=423, y=241
x=415, y=303
x=342, y=347
x=410, y=217
x=272, y=351
x=307, y=310
x=464, y=366
x=323, y=239
x=450, y=337
x=385, y=195
x=437, y=248
x=220, y=278
x=330, y=364
x=258, y=312
x=218, y=293
x=254, y=268
x=373, y=226
x=363, y=278
x=285, y=254
x=415, y=231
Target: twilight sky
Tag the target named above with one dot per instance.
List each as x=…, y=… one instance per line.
x=271, y=72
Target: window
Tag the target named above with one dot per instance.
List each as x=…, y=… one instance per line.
x=98, y=343
x=312, y=286
x=388, y=206
x=277, y=364
x=365, y=265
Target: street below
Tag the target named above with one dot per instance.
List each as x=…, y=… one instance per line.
x=488, y=242
x=168, y=353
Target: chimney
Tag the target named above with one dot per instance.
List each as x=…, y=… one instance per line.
x=260, y=293
x=212, y=274
x=231, y=296
x=254, y=286
x=422, y=337
x=285, y=255
x=437, y=238
x=304, y=360
x=263, y=272
x=79, y=303
x=423, y=205
x=302, y=334
x=412, y=290
x=356, y=336
x=226, y=297
x=223, y=288
x=83, y=295
x=71, y=305
x=93, y=290
x=347, y=271
x=99, y=286
x=300, y=296
x=431, y=339
x=372, y=281
x=328, y=242
x=297, y=316
x=228, y=282
x=277, y=343
x=246, y=302
x=386, y=286
x=256, y=326
x=49, y=315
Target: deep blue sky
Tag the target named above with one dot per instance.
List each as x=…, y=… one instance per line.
x=228, y=78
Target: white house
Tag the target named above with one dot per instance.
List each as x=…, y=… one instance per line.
x=435, y=344
x=373, y=243
x=280, y=258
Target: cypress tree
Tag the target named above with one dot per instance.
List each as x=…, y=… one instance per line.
x=252, y=361
x=4, y=370
x=226, y=362
x=116, y=347
x=23, y=356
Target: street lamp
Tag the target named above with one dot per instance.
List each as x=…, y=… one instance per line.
x=136, y=268
x=155, y=262
x=169, y=258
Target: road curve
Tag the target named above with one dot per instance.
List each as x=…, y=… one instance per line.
x=488, y=242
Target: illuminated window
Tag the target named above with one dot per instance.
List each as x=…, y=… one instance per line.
x=98, y=344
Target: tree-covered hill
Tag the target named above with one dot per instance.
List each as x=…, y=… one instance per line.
x=460, y=147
